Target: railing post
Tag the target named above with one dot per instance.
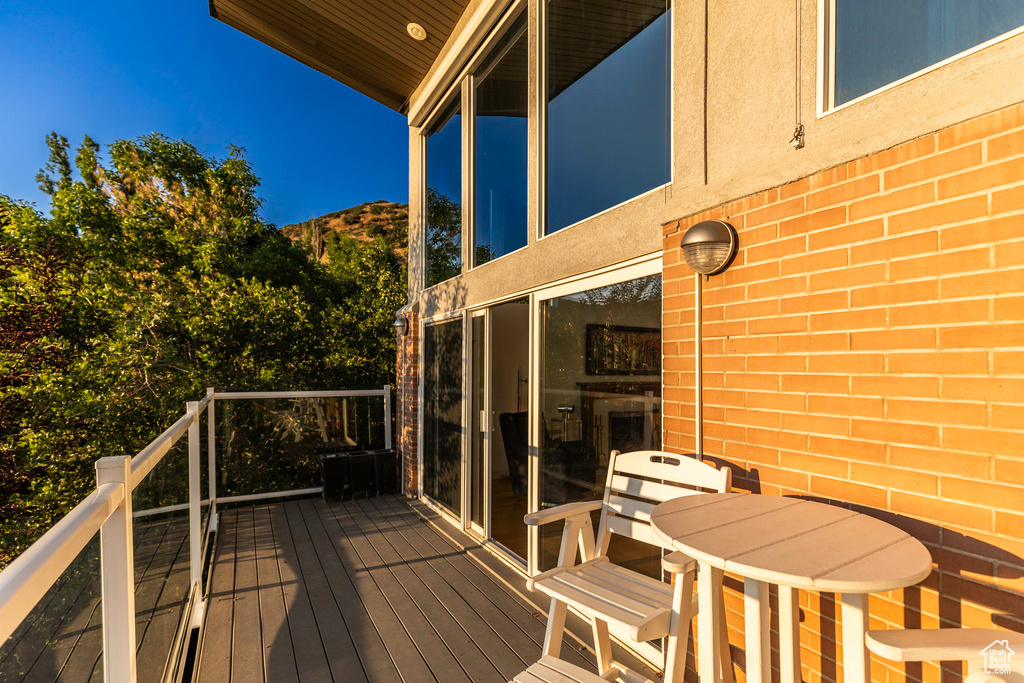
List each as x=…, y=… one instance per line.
x=211, y=447
x=194, y=497
x=387, y=416
x=117, y=568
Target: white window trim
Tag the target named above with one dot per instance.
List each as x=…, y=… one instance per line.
x=473, y=76
x=454, y=93
x=421, y=410
x=826, y=62
x=462, y=88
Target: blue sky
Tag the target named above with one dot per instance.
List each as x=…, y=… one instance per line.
x=116, y=69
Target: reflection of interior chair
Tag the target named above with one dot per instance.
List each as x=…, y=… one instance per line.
x=570, y=466
x=514, y=429
x=570, y=471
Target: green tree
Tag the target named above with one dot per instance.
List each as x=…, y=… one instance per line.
x=444, y=237
x=152, y=278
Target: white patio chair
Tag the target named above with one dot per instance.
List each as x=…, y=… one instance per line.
x=608, y=593
x=979, y=647
x=554, y=670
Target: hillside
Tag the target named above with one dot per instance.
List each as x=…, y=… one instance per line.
x=362, y=223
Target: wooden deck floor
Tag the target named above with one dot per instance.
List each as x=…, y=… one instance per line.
x=62, y=640
x=377, y=589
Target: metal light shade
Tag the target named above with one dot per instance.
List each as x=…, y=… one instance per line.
x=709, y=246
x=402, y=326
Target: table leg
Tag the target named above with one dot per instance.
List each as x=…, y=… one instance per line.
x=756, y=617
x=789, y=634
x=708, y=580
x=856, y=660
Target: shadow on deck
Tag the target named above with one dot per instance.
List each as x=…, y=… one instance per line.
x=379, y=589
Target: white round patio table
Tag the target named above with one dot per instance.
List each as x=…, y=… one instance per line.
x=795, y=544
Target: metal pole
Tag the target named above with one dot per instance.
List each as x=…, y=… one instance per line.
x=211, y=447
x=117, y=569
x=194, y=513
x=698, y=377
x=387, y=416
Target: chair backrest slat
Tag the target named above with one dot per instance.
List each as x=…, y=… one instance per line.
x=639, y=481
x=639, y=531
x=648, y=490
x=630, y=507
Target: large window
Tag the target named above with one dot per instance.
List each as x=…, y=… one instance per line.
x=500, y=155
x=442, y=413
x=877, y=42
x=607, y=104
x=444, y=196
x=600, y=390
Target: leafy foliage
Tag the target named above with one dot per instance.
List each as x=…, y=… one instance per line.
x=444, y=237
x=152, y=278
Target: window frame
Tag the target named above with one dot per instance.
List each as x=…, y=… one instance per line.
x=541, y=113
x=826, y=61
x=462, y=87
x=453, y=317
x=451, y=95
x=474, y=73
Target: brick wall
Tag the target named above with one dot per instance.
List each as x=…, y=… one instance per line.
x=867, y=346
x=407, y=395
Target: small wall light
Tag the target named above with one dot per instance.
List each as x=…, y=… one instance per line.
x=402, y=326
x=709, y=247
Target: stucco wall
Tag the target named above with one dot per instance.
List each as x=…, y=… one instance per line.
x=752, y=76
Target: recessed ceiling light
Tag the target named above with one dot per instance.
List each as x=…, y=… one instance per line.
x=416, y=31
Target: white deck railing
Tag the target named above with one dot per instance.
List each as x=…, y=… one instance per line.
x=108, y=510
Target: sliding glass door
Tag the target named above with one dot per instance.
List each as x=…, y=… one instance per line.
x=536, y=393
x=599, y=391
x=499, y=424
x=442, y=414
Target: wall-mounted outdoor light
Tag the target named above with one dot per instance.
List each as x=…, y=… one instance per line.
x=401, y=326
x=708, y=248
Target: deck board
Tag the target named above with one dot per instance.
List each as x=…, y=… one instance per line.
x=278, y=654
x=378, y=589
x=310, y=658
x=61, y=640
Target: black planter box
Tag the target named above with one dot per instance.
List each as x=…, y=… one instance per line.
x=334, y=470
x=386, y=470
x=361, y=473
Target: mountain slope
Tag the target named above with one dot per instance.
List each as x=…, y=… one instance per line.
x=363, y=223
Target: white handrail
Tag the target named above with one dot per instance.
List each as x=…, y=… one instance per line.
x=297, y=394
x=25, y=581
x=148, y=458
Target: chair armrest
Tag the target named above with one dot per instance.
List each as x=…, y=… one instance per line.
x=561, y=512
x=678, y=563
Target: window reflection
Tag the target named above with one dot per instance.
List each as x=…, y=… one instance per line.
x=501, y=115
x=881, y=41
x=607, y=113
x=600, y=391
x=442, y=413
x=444, y=197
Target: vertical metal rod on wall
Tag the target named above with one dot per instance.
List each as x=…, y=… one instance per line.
x=387, y=416
x=117, y=575
x=211, y=449
x=194, y=512
x=698, y=376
